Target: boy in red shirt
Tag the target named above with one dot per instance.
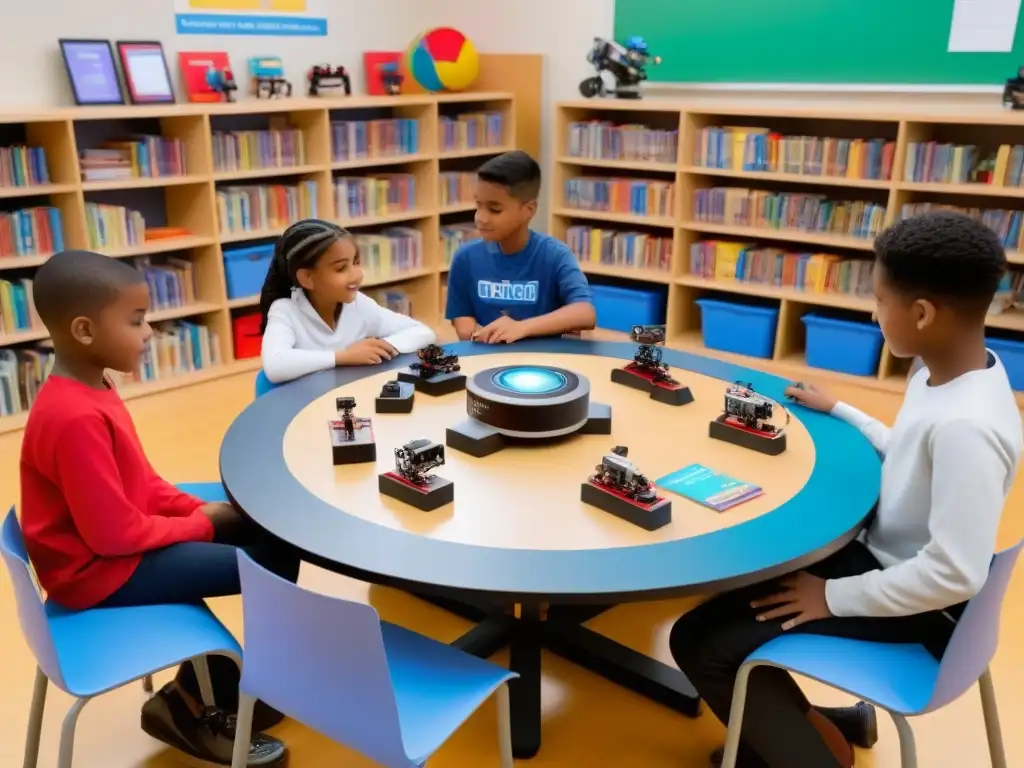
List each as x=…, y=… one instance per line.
x=102, y=528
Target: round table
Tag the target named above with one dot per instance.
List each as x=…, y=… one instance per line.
x=518, y=551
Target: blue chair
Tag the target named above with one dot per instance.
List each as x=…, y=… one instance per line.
x=263, y=384
x=88, y=653
x=384, y=691
x=904, y=679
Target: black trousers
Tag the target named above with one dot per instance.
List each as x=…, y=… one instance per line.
x=711, y=642
x=192, y=571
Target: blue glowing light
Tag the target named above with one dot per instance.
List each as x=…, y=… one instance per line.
x=529, y=381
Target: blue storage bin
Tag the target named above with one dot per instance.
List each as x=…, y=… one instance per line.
x=743, y=329
x=845, y=346
x=619, y=309
x=245, y=269
x=1011, y=353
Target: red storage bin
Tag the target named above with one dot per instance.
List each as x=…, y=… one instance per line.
x=246, y=331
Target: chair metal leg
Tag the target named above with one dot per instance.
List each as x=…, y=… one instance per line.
x=35, y=719
x=67, y=733
x=908, y=746
x=504, y=727
x=990, y=709
x=739, y=702
x=147, y=684
x=243, y=731
x=203, y=678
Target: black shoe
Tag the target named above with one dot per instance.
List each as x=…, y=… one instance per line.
x=859, y=723
x=209, y=737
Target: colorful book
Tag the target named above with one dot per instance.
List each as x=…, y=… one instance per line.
x=709, y=487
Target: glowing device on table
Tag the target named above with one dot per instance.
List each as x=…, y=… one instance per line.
x=528, y=380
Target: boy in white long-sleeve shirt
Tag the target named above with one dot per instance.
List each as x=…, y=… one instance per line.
x=949, y=462
x=315, y=318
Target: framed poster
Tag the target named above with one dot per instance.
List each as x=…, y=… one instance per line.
x=92, y=71
x=146, y=76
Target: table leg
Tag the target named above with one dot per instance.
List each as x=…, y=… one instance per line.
x=524, y=691
x=488, y=637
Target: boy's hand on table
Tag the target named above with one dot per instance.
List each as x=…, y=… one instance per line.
x=221, y=514
x=810, y=396
x=503, y=330
x=801, y=597
x=365, y=352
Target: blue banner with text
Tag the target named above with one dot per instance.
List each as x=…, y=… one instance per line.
x=244, y=24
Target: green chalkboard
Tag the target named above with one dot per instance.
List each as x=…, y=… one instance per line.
x=880, y=42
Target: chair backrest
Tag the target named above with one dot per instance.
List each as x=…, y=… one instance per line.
x=976, y=635
x=320, y=660
x=263, y=384
x=31, y=612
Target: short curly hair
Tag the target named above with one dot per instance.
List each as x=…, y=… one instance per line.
x=946, y=255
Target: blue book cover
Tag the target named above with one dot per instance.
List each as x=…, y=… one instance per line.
x=708, y=487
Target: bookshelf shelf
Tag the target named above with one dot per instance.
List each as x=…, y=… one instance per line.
x=890, y=154
x=190, y=205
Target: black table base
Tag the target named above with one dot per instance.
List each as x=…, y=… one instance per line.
x=527, y=630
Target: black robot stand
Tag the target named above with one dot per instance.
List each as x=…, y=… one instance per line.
x=526, y=629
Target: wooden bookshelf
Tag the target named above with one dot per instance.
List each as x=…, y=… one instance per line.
x=901, y=123
x=190, y=201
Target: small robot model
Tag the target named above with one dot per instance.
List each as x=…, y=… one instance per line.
x=352, y=440
x=324, y=77
x=1013, y=91
x=268, y=80
x=627, y=64
x=395, y=397
x=411, y=481
x=391, y=78
x=647, y=373
x=746, y=421
x=620, y=488
x=222, y=81
x=435, y=372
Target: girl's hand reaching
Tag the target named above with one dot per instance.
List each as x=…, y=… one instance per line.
x=365, y=352
x=810, y=396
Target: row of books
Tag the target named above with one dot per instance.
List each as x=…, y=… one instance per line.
x=361, y=196
x=31, y=232
x=22, y=373
x=261, y=206
x=1007, y=224
x=640, y=197
x=473, y=130
x=172, y=283
x=364, y=139
x=947, y=163
x=611, y=248
x=395, y=300
x=390, y=252
x=788, y=210
x=17, y=309
x=759, y=149
x=602, y=140
x=141, y=157
x=454, y=237
x=457, y=187
x=257, y=150
x=22, y=166
x=780, y=268
x=113, y=226
x=176, y=348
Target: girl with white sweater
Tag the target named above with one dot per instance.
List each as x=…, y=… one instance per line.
x=315, y=318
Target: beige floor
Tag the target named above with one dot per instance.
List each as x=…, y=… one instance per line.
x=587, y=721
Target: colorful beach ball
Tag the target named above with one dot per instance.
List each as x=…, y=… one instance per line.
x=443, y=59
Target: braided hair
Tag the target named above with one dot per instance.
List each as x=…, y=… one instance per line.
x=300, y=247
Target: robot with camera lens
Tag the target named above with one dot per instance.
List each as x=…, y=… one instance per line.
x=352, y=440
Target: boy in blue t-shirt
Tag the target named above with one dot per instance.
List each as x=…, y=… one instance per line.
x=514, y=282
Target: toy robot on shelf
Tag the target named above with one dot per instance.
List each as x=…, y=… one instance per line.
x=647, y=372
x=746, y=421
x=391, y=78
x=324, y=77
x=627, y=64
x=268, y=80
x=434, y=360
x=411, y=481
x=352, y=440
x=222, y=81
x=619, y=488
x=1013, y=91
x=416, y=458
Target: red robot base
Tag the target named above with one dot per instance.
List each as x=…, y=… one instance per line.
x=663, y=390
x=650, y=516
x=355, y=447
x=766, y=439
x=433, y=493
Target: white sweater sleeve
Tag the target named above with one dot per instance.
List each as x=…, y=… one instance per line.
x=874, y=430
x=400, y=331
x=281, y=360
x=969, y=473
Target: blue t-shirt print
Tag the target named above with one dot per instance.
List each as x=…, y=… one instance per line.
x=484, y=283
